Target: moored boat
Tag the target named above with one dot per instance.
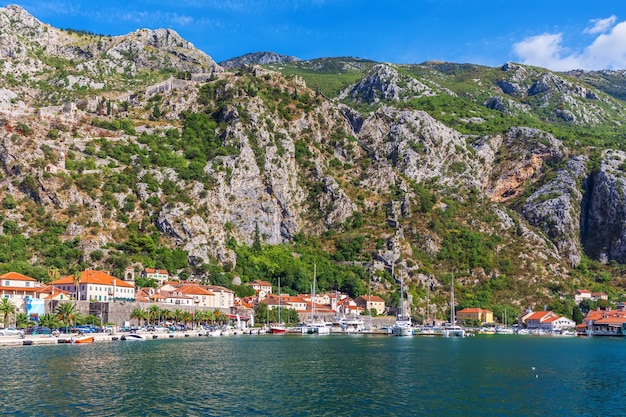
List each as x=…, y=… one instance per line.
x=313, y=325
x=452, y=329
x=403, y=325
x=133, y=337
x=278, y=329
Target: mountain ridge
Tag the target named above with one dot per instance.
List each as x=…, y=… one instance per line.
x=140, y=150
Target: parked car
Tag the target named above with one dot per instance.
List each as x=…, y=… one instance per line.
x=84, y=329
x=11, y=331
x=38, y=330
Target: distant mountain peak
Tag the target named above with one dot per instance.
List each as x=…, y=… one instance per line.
x=260, y=58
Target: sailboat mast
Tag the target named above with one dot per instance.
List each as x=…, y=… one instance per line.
x=428, y=304
x=279, y=302
x=452, y=302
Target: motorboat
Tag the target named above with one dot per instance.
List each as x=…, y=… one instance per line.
x=74, y=339
x=133, y=337
x=402, y=327
x=278, y=329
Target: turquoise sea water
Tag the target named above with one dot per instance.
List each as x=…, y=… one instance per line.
x=318, y=376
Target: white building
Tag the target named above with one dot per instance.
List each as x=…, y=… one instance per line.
x=96, y=286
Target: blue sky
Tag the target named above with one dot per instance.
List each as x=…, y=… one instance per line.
x=555, y=34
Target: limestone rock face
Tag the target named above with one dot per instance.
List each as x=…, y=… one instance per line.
x=528, y=152
x=257, y=58
x=604, y=210
x=555, y=208
x=418, y=146
x=383, y=83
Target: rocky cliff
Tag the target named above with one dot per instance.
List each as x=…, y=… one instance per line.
x=113, y=148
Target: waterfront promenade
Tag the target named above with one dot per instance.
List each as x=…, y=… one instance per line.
x=36, y=340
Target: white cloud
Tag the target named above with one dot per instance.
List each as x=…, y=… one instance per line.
x=607, y=51
x=601, y=25
x=546, y=51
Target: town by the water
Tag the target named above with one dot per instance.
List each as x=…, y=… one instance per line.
x=93, y=306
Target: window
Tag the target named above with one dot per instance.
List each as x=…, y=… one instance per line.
x=27, y=284
x=7, y=283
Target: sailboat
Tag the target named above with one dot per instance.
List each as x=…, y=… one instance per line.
x=314, y=326
x=278, y=328
x=428, y=329
x=506, y=329
x=452, y=330
x=403, y=325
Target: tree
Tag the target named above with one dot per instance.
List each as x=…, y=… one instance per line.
x=49, y=320
x=66, y=312
x=7, y=308
x=76, y=280
x=577, y=315
x=256, y=245
x=154, y=314
x=22, y=320
x=139, y=314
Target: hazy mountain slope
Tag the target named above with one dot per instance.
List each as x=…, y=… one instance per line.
x=257, y=58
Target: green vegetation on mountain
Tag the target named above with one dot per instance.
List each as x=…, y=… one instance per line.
x=138, y=151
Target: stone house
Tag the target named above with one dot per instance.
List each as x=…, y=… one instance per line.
x=371, y=302
x=479, y=314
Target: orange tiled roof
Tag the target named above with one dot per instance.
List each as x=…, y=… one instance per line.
x=611, y=320
x=91, y=276
x=15, y=276
x=194, y=290
x=156, y=271
x=261, y=283
x=538, y=315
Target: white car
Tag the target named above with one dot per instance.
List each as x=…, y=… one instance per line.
x=11, y=331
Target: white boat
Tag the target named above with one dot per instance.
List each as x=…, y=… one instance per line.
x=427, y=331
x=133, y=337
x=504, y=330
x=313, y=325
x=351, y=325
x=214, y=332
x=452, y=329
x=403, y=325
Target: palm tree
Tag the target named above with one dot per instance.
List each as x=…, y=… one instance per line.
x=186, y=317
x=139, y=314
x=219, y=316
x=166, y=314
x=22, y=320
x=53, y=274
x=76, y=280
x=49, y=320
x=178, y=315
x=7, y=308
x=154, y=313
x=66, y=312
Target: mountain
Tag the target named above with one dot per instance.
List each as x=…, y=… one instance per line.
x=138, y=150
x=257, y=58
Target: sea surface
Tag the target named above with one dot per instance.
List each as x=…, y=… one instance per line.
x=336, y=375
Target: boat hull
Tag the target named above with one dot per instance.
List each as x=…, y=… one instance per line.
x=402, y=331
x=453, y=332
x=133, y=338
x=278, y=330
